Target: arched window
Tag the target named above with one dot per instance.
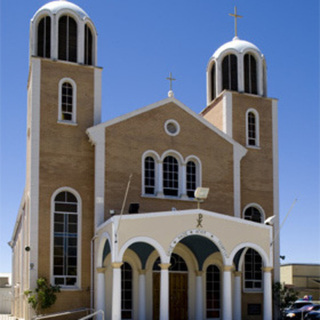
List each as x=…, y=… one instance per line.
x=88, y=47
x=252, y=129
x=65, y=239
x=253, y=214
x=67, y=39
x=191, y=178
x=149, y=175
x=250, y=74
x=230, y=72
x=213, y=292
x=213, y=82
x=126, y=291
x=67, y=101
x=170, y=176
x=253, y=270
x=44, y=37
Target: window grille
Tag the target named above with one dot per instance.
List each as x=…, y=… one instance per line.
x=65, y=239
x=170, y=176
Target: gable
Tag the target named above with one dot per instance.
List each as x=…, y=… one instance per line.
x=93, y=132
x=123, y=143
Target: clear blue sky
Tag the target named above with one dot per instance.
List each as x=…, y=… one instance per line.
x=139, y=43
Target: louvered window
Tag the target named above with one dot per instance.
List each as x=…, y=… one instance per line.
x=44, y=37
x=67, y=39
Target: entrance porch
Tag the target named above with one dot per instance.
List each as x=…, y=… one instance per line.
x=182, y=265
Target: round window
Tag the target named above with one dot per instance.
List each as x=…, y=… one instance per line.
x=172, y=127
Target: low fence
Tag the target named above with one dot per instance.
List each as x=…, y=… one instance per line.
x=5, y=300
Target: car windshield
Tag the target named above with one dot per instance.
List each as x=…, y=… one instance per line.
x=298, y=305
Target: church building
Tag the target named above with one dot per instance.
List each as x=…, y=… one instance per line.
x=161, y=213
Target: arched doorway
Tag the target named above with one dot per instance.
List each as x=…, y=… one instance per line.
x=178, y=288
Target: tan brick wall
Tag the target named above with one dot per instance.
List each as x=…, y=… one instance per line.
x=128, y=140
x=214, y=113
x=257, y=165
x=66, y=160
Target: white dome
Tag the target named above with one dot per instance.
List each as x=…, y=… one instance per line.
x=238, y=45
x=55, y=6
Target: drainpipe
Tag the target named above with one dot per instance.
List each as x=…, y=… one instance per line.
x=92, y=273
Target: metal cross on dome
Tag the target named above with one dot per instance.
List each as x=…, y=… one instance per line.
x=235, y=15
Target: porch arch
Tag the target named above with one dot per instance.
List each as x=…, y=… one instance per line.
x=267, y=260
x=201, y=233
x=163, y=256
x=105, y=240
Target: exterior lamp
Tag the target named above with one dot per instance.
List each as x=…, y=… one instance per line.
x=201, y=194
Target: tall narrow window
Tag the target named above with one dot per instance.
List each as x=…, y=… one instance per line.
x=170, y=176
x=126, y=292
x=67, y=39
x=213, y=291
x=65, y=270
x=253, y=270
x=191, y=178
x=67, y=102
x=252, y=130
x=230, y=73
x=253, y=214
x=213, y=82
x=149, y=175
x=44, y=37
x=87, y=45
x=250, y=74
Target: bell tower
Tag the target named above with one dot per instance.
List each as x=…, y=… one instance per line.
x=64, y=100
x=238, y=105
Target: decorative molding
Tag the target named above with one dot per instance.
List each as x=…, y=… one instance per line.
x=34, y=109
x=276, y=226
x=164, y=266
x=116, y=265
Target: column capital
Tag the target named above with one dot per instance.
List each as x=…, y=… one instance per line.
x=267, y=269
x=164, y=266
x=142, y=271
x=116, y=265
x=101, y=269
x=199, y=273
x=237, y=273
x=228, y=268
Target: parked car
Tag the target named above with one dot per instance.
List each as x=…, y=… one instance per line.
x=312, y=315
x=300, y=313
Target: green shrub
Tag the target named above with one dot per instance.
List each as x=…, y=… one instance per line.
x=43, y=297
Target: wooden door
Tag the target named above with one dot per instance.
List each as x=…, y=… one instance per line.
x=178, y=296
x=178, y=302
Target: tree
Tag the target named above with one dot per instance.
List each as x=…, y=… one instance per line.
x=283, y=296
x=43, y=297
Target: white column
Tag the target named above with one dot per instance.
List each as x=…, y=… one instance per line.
x=54, y=38
x=101, y=290
x=218, y=76
x=183, y=181
x=227, y=293
x=260, y=76
x=267, y=294
x=80, y=43
x=142, y=295
x=240, y=73
x=159, y=179
x=237, y=296
x=199, y=295
x=164, y=291
x=116, y=291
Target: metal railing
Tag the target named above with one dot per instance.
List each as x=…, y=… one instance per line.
x=94, y=314
x=63, y=313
